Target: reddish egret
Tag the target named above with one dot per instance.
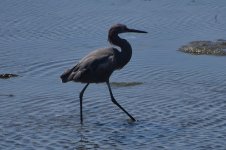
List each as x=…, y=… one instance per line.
x=98, y=65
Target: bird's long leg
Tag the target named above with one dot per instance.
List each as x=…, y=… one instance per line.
x=80, y=96
x=116, y=103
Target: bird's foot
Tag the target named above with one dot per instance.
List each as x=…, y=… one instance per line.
x=131, y=120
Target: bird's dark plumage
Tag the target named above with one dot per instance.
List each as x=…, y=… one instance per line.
x=98, y=65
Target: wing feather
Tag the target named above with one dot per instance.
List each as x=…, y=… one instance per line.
x=95, y=67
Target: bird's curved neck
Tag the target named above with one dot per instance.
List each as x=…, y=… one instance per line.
x=126, y=50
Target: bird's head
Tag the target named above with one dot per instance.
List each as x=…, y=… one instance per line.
x=121, y=28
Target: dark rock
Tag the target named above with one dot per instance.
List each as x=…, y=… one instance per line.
x=7, y=75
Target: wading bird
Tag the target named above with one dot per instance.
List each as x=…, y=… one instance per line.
x=98, y=65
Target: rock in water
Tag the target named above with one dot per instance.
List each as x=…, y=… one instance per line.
x=7, y=75
x=217, y=48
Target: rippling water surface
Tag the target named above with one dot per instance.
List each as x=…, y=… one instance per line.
x=179, y=100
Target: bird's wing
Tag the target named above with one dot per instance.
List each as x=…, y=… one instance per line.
x=101, y=60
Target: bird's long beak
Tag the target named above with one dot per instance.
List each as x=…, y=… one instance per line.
x=136, y=31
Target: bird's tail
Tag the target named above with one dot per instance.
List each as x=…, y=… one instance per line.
x=66, y=76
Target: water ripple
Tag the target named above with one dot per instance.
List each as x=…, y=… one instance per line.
x=178, y=100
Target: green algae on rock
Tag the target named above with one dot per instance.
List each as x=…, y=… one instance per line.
x=125, y=84
x=217, y=48
x=7, y=95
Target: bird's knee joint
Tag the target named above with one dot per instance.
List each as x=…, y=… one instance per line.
x=113, y=100
x=80, y=95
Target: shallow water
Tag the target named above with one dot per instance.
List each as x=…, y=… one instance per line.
x=178, y=99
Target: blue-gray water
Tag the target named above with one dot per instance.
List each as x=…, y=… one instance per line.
x=180, y=101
